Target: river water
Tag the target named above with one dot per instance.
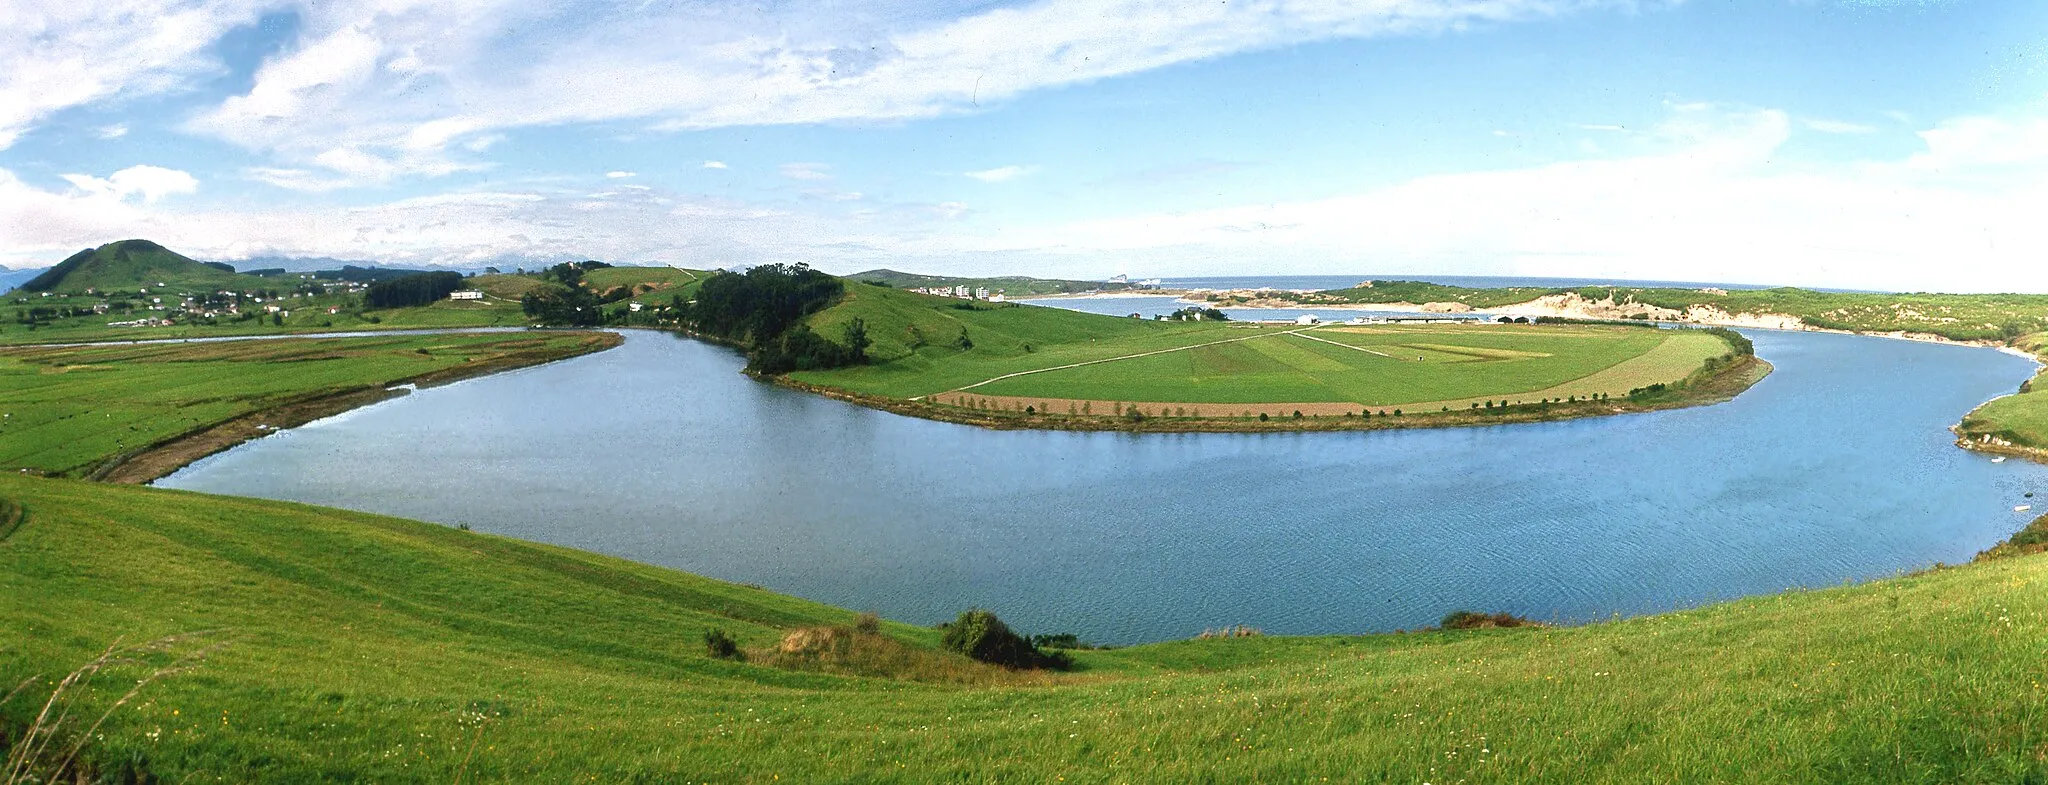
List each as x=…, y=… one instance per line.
x=1837, y=467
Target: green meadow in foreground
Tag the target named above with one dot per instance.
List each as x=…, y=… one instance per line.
x=337, y=645
x=68, y=408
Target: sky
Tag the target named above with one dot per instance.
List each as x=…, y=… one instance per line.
x=1876, y=144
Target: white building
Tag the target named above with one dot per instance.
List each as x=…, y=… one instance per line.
x=1307, y=319
x=466, y=294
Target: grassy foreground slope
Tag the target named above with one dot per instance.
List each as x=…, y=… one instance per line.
x=368, y=648
x=68, y=408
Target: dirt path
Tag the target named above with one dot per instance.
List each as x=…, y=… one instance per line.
x=1111, y=360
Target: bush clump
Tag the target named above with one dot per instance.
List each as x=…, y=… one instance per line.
x=721, y=646
x=1471, y=620
x=981, y=636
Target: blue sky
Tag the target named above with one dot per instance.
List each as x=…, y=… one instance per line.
x=1853, y=143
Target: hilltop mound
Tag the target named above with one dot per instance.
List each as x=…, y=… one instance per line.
x=129, y=264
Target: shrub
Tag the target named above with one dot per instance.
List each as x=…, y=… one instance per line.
x=981, y=636
x=868, y=623
x=721, y=646
x=1470, y=620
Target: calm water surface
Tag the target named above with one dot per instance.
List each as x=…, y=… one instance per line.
x=1837, y=467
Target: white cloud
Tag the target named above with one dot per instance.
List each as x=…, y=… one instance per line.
x=620, y=175
x=113, y=132
x=1710, y=200
x=803, y=171
x=1001, y=173
x=411, y=83
x=149, y=182
x=715, y=165
x=1837, y=127
x=1705, y=195
x=55, y=55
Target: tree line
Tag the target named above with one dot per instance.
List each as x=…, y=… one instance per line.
x=412, y=290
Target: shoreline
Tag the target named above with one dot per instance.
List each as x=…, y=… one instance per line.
x=155, y=461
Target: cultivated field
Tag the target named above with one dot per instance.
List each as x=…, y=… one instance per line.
x=68, y=408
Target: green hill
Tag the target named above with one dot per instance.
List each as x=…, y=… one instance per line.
x=135, y=264
x=1012, y=285
x=358, y=647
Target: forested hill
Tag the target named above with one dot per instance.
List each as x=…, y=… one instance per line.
x=133, y=264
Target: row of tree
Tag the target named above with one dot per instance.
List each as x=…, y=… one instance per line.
x=412, y=290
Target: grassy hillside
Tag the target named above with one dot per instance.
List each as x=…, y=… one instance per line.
x=1012, y=285
x=67, y=409
x=1417, y=293
x=359, y=647
x=131, y=265
x=2020, y=419
x=917, y=348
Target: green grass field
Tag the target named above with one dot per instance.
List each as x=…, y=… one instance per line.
x=364, y=648
x=2021, y=418
x=915, y=338
x=68, y=408
x=916, y=353
x=1389, y=365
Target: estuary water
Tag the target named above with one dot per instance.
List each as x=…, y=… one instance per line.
x=1838, y=467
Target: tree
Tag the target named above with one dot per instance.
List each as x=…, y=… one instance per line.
x=855, y=338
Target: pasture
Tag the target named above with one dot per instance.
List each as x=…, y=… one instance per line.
x=1056, y=357
x=68, y=408
x=347, y=646
x=1386, y=366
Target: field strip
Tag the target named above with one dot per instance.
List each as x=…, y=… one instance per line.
x=1108, y=360
x=1304, y=334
